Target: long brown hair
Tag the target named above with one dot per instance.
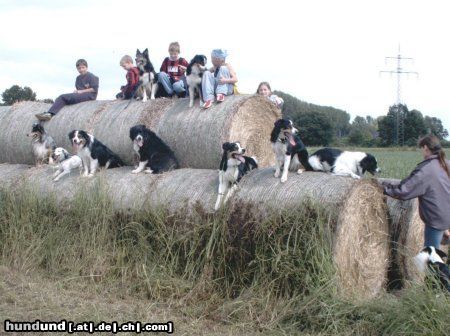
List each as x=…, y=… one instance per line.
x=433, y=144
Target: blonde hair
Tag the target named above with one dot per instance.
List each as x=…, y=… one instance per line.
x=174, y=46
x=126, y=59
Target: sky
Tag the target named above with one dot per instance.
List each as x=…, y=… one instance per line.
x=323, y=52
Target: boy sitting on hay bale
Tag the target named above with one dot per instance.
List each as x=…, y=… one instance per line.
x=172, y=71
x=219, y=80
x=132, y=76
x=86, y=88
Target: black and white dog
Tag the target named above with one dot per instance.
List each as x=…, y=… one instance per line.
x=154, y=155
x=92, y=152
x=148, y=80
x=290, y=152
x=66, y=162
x=343, y=163
x=432, y=259
x=194, y=73
x=43, y=144
x=233, y=166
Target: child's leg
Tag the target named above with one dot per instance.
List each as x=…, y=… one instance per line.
x=164, y=79
x=225, y=89
x=179, y=87
x=208, y=82
x=69, y=99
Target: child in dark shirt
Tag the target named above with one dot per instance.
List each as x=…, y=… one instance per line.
x=128, y=91
x=86, y=86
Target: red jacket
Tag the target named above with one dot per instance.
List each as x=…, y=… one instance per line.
x=132, y=81
x=172, y=68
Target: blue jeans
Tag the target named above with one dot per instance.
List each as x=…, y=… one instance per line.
x=433, y=237
x=177, y=87
x=211, y=86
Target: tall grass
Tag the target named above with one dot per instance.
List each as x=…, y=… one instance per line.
x=271, y=273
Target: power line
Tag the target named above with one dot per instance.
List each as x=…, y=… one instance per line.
x=399, y=71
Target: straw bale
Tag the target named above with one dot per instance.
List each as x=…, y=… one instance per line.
x=406, y=232
x=195, y=135
x=358, y=217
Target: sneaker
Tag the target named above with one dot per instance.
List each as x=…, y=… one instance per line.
x=207, y=104
x=44, y=116
x=220, y=97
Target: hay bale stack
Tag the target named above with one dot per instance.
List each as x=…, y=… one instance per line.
x=358, y=214
x=195, y=135
x=358, y=217
x=406, y=232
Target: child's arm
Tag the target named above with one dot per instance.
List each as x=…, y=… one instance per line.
x=233, y=78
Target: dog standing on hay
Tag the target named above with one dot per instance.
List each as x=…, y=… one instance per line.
x=233, y=167
x=290, y=152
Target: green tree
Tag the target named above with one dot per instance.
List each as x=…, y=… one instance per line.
x=363, y=132
x=16, y=94
x=315, y=128
x=434, y=126
x=414, y=127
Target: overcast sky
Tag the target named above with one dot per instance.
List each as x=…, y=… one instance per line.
x=323, y=52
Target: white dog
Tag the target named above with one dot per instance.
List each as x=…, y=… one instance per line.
x=66, y=162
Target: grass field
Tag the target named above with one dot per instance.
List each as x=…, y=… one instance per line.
x=210, y=275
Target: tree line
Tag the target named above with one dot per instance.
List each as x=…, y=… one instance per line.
x=326, y=125
x=329, y=126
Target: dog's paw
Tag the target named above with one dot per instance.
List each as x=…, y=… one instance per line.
x=283, y=179
x=148, y=171
x=135, y=171
x=56, y=179
x=276, y=174
x=300, y=171
x=91, y=175
x=191, y=104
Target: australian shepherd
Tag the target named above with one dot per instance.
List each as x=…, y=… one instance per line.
x=148, y=80
x=92, y=152
x=343, y=163
x=233, y=166
x=290, y=152
x=66, y=162
x=194, y=73
x=154, y=155
x=42, y=144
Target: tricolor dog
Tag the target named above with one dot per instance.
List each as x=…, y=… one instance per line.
x=343, y=163
x=233, y=167
x=290, y=152
x=194, y=73
x=43, y=144
x=93, y=153
x=148, y=79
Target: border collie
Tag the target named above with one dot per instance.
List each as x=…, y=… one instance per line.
x=431, y=258
x=148, y=80
x=289, y=149
x=92, y=152
x=233, y=166
x=154, y=155
x=43, y=144
x=66, y=161
x=194, y=73
x=344, y=163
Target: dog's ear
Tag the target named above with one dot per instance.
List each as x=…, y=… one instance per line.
x=71, y=134
x=226, y=146
x=145, y=52
x=441, y=254
x=137, y=52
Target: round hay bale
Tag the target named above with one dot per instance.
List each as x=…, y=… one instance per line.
x=194, y=134
x=406, y=232
x=359, y=221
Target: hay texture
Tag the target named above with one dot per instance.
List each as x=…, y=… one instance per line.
x=358, y=218
x=194, y=134
x=358, y=215
x=407, y=235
